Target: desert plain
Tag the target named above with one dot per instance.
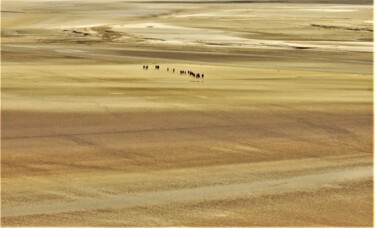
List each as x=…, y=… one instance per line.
x=278, y=133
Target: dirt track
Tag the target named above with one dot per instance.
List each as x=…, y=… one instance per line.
x=211, y=192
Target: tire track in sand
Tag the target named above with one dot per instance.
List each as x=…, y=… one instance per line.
x=271, y=186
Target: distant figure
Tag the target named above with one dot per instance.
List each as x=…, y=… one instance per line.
x=157, y=67
x=173, y=70
x=202, y=76
x=168, y=69
x=198, y=76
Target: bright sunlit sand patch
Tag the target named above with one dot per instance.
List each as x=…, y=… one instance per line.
x=331, y=10
x=69, y=51
x=116, y=93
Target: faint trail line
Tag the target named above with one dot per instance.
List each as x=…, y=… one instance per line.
x=256, y=188
x=122, y=132
x=171, y=54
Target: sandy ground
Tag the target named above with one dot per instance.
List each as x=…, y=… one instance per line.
x=278, y=133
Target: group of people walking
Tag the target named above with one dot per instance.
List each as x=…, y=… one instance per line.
x=182, y=72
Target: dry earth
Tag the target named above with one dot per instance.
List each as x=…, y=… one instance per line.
x=278, y=133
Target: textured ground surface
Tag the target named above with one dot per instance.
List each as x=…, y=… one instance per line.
x=279, y=133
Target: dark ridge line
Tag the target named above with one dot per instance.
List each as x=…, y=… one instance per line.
x=9, y=11
x=358, y=2
x=341, y=27
x=203, y=2
x=122, y=132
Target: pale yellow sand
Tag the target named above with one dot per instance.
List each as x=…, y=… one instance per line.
x=278, y=133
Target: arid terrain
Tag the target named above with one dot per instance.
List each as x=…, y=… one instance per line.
x=278, y=133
